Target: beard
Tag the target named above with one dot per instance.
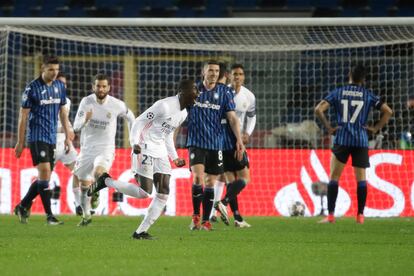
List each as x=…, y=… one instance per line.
x=101, y=96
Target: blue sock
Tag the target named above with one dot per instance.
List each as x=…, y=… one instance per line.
x=362, y=196
x=30, y=195
x=45, y=193
x=197, y=197
x=208, y=199
x=233, y=189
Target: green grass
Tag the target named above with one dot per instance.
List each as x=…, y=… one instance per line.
x=273, y=246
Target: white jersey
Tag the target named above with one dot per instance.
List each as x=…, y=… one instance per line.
x=61, y=134
x=154, y=129
x=99, y=132
x=245, y=102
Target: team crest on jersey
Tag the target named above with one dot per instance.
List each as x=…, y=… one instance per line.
x=56, y=90
x=108, y=115
x=24, y=97
x=81, y=113
x=150, y=115
x=216, y=96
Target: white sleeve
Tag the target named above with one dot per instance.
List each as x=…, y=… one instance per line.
x=129, y=116
x=169, y=143
x=135, y=132
x=251, y=117
x=141, y=122
x=80, y=116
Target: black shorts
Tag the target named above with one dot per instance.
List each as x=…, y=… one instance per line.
x=359, y=155
x=42, y=153
x=231, y=164
x=211, y=159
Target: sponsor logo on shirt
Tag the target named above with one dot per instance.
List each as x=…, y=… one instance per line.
x=208, y=105
x=50, y=101
x=93, y=123
x=167, y=128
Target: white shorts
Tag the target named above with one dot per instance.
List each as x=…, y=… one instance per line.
x=62, y=156
x=87, y=162
x=147, y=166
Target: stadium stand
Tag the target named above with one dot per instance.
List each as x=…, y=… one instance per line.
x=205, y=8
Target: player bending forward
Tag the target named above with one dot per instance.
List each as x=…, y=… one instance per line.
x=152, y=139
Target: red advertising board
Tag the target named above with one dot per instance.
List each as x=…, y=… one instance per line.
x=279, y=177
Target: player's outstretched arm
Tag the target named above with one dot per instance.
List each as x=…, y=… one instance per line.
x=21, y=131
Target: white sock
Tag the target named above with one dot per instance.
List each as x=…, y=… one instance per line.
x=154, y=211
x=218, y=192
x=77, y=195
x=85, y=203
x=126, y=188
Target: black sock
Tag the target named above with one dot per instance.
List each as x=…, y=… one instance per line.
x=197, y=191
x=233, y=189
x=332, y=195
x=208, y=198
x=362, y=196
x=234, y=205
x=30, y=195
x=45, y=194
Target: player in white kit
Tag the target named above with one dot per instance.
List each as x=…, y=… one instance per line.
x=97, y=120
x=152, y=139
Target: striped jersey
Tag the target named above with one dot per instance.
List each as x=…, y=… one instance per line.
x=44, y=102
x=245, y=102
x=204, y=117
x=352, y=105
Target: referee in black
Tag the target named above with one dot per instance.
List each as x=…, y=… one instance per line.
x=42, y=101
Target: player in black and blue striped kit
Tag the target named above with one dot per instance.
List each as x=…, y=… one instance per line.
x=204, y=140
x=42, y=102
x=352, y=104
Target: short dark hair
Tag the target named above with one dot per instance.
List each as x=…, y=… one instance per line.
x=211, y=62
x=223, y=69
x=237, y=65
x=50, y=60
x=358, y=73
x=102, y=76
x=185, y=84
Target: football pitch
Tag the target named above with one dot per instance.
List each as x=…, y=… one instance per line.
x=272, y=246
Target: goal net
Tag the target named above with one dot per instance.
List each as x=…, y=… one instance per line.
x=290, y=65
